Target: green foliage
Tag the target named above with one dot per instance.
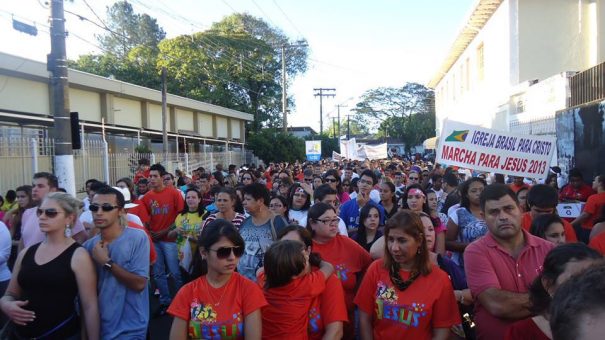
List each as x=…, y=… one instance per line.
x=407, y=113
x=355, y=128
x=272, y=145
x=130, y=30
x=142, y=148
x=236, y=63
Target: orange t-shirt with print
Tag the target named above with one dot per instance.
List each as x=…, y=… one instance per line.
x=217, y=313
x=570, y=233
x=349, y=259
x=287, y=314
x=327, y=308
x=163, y=207
x=426, y=304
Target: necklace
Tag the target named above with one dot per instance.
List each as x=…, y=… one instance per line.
x=398, y=281
x=224, y=289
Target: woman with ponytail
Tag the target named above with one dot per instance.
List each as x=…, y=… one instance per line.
x=560, y=264
x=404, y=295
x=220, y=304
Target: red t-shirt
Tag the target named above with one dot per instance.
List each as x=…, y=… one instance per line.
x=515, y=188
x=593, y=206
x=163, y=206
x=140, y=211
x=598, y=243
x=569, y=193
x=570, y=233
x=348, y=259
x=525, y=329
x=287, y=315
x=141, y=174
x=426, y=304
x=152, y=253
x=327, y=308
x=217, y=313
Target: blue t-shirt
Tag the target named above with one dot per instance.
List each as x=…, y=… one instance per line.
x=258, y=238
x=349, y=213
x=124, y=312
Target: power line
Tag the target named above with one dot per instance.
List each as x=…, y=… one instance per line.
x=263, y=12
x=97, y=16
x=288, y=18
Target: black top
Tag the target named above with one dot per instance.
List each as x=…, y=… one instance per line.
x=51, y=290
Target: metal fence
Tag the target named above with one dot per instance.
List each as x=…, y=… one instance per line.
x=588, y=85
x=20, y=158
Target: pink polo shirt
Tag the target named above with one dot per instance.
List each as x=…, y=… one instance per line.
x=488, y=265
x=30, y=228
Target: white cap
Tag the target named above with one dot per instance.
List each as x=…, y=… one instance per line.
x=126, y=193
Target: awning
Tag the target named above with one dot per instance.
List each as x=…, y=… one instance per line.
x=430, y=143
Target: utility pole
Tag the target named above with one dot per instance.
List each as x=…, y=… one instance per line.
x=284, y=93
x=320, y=92
x=164, y=116
x=57, y=65
x=334, y=127
x=348, y=127
x=338, y=107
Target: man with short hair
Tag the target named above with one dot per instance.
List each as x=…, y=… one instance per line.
x=349, y=212
x=202, y=184
x=325, y=194
x=518, y=184
x=542, y=200
x=44, y=183
x=259, y=230
x=501, y=266
x=592, y=209
x=121, y=255
x=450, y=196
x=348, y=174
x=576, y=189
x=578, y=308
x=142, y=187
x=437, y=185
x=163, y=204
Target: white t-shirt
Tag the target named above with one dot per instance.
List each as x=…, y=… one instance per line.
x=451, y=213
x=300, y=216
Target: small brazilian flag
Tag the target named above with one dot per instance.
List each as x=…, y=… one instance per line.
x=457, y=136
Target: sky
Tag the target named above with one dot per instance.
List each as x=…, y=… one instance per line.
x=355, y=45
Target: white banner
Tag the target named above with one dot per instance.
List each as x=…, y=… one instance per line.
x=495, y=151
x=336, y=156
x=313, y=150
x=348, y=149
x=376, y=151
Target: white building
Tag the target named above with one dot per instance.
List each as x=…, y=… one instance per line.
x=507, y=68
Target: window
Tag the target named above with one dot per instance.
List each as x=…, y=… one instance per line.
x=480, y=62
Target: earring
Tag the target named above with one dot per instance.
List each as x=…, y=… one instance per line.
x=67, y=231
x=418, y=251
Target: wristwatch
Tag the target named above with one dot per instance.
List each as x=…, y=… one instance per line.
x=108, y=265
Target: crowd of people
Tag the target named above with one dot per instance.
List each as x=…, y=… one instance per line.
x=393, y=249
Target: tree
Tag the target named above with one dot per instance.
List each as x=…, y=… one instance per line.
x=272, y=145
x=407, y=113
x=129, y=30
x=236, y=64
x=352, y=127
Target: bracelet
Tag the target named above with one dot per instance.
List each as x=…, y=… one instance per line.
x=461, y=298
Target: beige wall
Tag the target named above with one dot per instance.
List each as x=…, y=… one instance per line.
x=24, y=95
x=205, y=125
x=235, y=129
x=86, y=103
x=221, y=127
x=127, y=112
x=184, y=120
x=557, y=37
x=155, y=117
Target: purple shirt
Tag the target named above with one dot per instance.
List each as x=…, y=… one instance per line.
x=30, y=228
x=488, y=265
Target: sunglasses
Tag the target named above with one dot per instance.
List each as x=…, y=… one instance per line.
x=104, y=207
x=308, y=179
x=225, y=252
x=331, y=180
x=50, y=213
